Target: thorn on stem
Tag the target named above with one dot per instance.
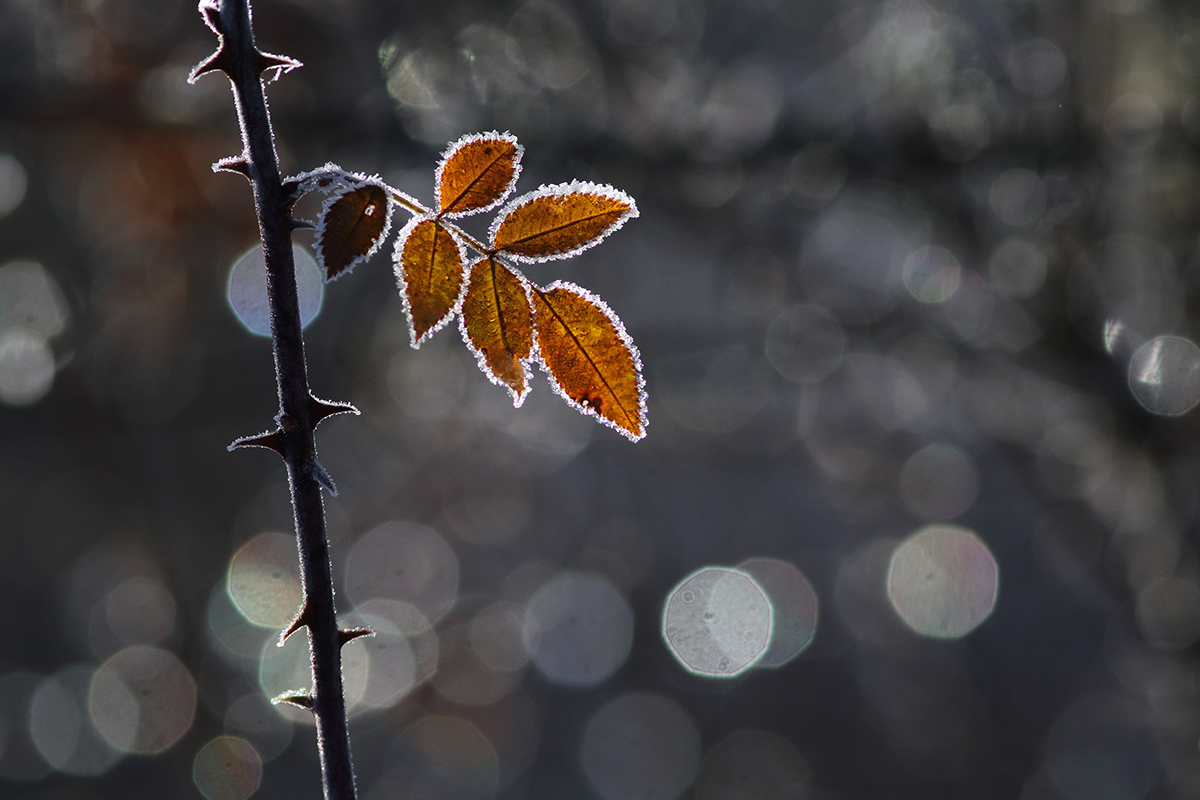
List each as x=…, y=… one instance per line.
x=350, y=634
x=271, y=440
x=238, y=164
x=322, y=477
x=219, y=61
x=281, y=64
x=299, y=224
x=300, y=621
x=319, y=409
x=298, y=698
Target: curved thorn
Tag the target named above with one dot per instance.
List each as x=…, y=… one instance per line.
x=300, y=699
x=281, y=64
x=237, y=164
x=219, y=61
x=271, y=440
x=350, y=634
x=300, y=621
x=322, y=477
x=319, y=409
x=300, y=224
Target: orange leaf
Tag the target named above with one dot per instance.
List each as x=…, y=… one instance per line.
x=353, y=223
x=477, y=172
x=559, y=221
x=429, y=269
x=591, y=360
x=497, y=324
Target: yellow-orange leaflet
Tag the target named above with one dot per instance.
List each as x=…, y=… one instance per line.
x=589, y=356
x=559, y=221
x=430, y=273
x=353, y=223
x=497, y=323
x=477, y=172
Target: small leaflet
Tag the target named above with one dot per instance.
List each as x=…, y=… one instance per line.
x=429, y=270
x=591, y=361
x=353, y=223
x=477, y=172
x=497, y=324
x=560, y=220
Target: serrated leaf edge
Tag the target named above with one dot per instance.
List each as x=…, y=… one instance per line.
x=461, y=142
x=561, y=190
x=331, y=198
x=625, y=338
x=397, y=252
x=481, y=359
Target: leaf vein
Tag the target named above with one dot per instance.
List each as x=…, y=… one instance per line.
x=558, y=228
x=588, y=356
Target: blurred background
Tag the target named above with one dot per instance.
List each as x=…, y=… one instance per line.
x=914, y=285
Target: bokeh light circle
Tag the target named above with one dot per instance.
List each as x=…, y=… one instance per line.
x=943, y=581
x=805, y=343
x=1164, y=375
x=142, y=700
x=246, y=289
x=448, y=757
x=794, y=608
x=641, y=746
x=227, y=768
x=407, y=562
x=264, y=580
x=26, y=367
x=939, y=481
x=578, y=629
x=59, y=725
x=717, y=622
x=1168, y=612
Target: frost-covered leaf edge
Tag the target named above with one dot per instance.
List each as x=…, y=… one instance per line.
x=398, y=251
x=458, y=144
x=561, y=190
x=625, y=338
x=480, y=358
x=332, y=197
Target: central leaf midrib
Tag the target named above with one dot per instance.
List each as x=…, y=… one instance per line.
x=588, y=356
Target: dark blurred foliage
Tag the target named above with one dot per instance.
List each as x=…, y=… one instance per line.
x=894, y=263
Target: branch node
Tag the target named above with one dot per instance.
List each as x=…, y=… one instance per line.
x=319, y=409
x=301, y=698
x=300, y=621
x=271, y=440
x=321, y=476
x=350, y=634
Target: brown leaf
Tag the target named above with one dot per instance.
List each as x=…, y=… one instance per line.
x=591, y=360
x=477, y=172
x=559, y=221
x=497, y=324
x=353, y=223
x=429, y=269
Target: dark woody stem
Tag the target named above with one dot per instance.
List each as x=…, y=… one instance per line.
x=299, y=412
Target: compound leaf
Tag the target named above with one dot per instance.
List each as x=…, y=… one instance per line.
x=497, y=324
x=477, y=172
x=354, y=221
x=429, y=269
x=591, y=361
x=560, y=220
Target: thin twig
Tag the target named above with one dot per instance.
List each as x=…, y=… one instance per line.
x=299, y=411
